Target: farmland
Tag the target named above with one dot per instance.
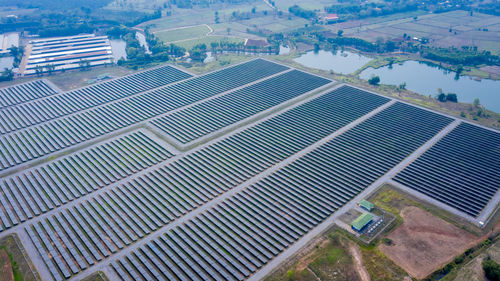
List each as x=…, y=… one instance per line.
x=450, y=29
x=182, y=34
x=163, y=174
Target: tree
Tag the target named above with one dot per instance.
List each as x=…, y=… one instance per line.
x=491, y=269
x=402, y=86
x=7, y=75
x=339, y=32
x=254, y=9
x=476, y=102
x=452, y=97
x=441, y=97
x=50, y=68
x=374, y=80
x=217, y=20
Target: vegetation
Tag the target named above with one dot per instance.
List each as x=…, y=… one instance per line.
x=442, y=97
x=327, y=258
x=97, y=276
x=491, y=269
x=464, y=258
x=300, y=12
x=374, y=80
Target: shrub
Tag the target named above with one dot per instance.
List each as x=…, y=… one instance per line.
x=374, y=80
x=491, y=269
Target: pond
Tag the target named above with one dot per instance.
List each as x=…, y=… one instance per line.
x=284, y=50
x=6, y=62
x=340, y=62
x=425, y=79
x=118, y=48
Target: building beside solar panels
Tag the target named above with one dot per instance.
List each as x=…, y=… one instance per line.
x=64, y=53
x=362, y=221
x=367, y=205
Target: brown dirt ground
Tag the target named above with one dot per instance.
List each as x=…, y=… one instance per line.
x=424, y=243
x=492, y=69
x=358, y=262
x=6, y=273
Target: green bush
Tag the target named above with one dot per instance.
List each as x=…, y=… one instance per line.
x=375, y=80
x=491, y=269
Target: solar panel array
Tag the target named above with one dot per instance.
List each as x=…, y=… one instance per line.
x=131, y=187
x=155, y=199
x=202, y=119
x=25, y=115
x=20, y=147
x=25, y=92
x=39, y=190
x=239, y=235
x=461, y=170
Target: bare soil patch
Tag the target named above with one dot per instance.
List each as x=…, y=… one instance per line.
x=492, y=69
x=5, y=267
x=424, y=242
x=358, y=262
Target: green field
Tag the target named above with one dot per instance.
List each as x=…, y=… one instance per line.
x=188, y=44
x=180, y=34
x=306, y=4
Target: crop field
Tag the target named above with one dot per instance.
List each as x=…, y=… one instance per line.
x=188, y=44
x=162, y=175
x=477, y=30
x=181, y=34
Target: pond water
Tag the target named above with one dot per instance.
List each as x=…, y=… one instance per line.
x=142, y=40
x=118, y=46
x=425, y=79
x=284, y=50
x=340, y=62
x=6, y=62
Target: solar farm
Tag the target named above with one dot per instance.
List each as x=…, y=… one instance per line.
x=166, y=175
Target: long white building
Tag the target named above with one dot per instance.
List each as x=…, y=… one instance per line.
x=67, y=53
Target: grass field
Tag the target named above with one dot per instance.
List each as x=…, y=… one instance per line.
x=188, y=44
x=75, y=78
x=198, y=15
x=306, y=4
x=181, y=34
x=97, y=276
x=20, y=266
x=467, y=30
x=327, y=258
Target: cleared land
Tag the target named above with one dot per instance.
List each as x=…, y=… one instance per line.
x=424, y=243
x=477, y=30
x=20, y=266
